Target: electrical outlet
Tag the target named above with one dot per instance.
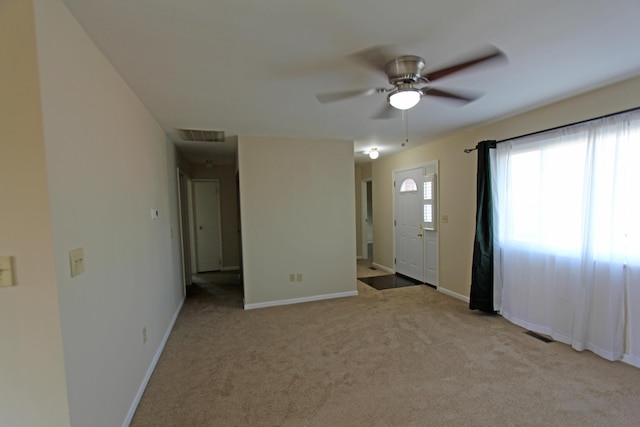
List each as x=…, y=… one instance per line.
x=292, y=277
x=144, y=335
x=76, y=260
x=299, y=277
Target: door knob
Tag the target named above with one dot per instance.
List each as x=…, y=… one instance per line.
x=419, y=234
x=200, y=227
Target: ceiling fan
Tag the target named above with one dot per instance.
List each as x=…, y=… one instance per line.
x=406, y=72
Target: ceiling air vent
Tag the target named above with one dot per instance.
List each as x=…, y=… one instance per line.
x=200, y=135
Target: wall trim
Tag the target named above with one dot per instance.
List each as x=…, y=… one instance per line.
x=300, y=300
x=152, y=367
x=382, y=267
x=453, y=294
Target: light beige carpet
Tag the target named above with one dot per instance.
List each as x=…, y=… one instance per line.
x=402, y=357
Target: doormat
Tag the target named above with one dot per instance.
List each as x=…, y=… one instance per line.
x=389, y=281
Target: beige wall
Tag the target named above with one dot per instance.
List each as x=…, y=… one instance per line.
x=457, y=178
x=182, y=162
x=84, y=162
x=108, y=164
x=226, y=174
x=298, y=216
x=32, y=378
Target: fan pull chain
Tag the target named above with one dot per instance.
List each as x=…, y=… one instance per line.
x=405, y=120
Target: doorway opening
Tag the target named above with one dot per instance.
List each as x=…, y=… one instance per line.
x=415, y=223
x=219, y=288
x=203, y=277
x=184, y=212
x=367, y=219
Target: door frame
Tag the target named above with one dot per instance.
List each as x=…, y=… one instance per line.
x=186, y=254
x=194, y=225
x=364, y=203
x=432, y=166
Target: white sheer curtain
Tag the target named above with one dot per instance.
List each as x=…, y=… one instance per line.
x=567, y=231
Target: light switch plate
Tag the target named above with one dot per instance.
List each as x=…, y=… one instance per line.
x=6, y=271
x=76, y=260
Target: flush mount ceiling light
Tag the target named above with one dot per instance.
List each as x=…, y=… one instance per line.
x=373, y=153
x=403, y=99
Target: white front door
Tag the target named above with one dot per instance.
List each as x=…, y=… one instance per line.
x=207, y=225
x=408, y=223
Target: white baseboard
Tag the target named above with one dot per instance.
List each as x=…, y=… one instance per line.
x=231, y=267
x=152, y=366
x=383, y=268
x=299, y=300
x=453, y=294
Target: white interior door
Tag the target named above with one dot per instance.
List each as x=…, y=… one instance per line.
x=408, y=188
x=207, y=225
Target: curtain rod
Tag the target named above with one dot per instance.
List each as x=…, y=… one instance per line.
x=469, y=150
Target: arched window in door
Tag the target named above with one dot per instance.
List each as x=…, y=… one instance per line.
x=408, y=186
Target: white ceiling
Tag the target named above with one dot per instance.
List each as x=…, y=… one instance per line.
x=253, y=67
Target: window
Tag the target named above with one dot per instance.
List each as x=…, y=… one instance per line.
x=574, y=190
x=408, y=186
x=429, y=202
x=545, y=197
x=567, y=234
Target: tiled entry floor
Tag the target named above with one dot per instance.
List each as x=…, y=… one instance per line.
x=389, y=281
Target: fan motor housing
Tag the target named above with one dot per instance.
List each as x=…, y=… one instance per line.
x=404, y=69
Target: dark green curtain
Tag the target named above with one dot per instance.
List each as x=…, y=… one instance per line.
x=481, y=297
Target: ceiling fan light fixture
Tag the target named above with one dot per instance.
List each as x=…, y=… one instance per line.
x=404, y=99
x=373, y=153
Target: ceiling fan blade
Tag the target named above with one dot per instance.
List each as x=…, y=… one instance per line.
x=375, y=57
x=386, y=112
x=485, y=55
x=338, y=96
x=459, y=98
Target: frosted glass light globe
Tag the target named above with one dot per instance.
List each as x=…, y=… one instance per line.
x=405, y=99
